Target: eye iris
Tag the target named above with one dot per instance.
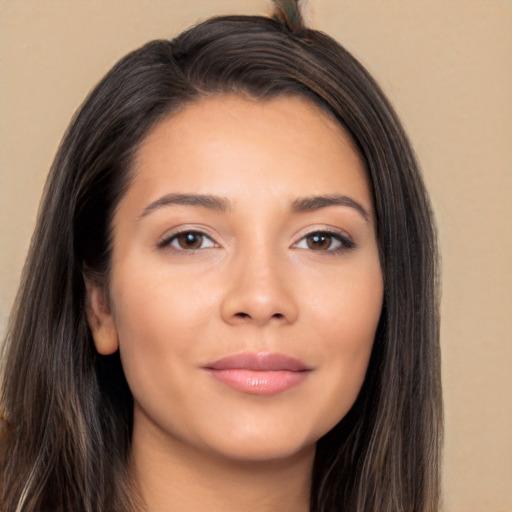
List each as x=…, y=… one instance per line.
x=190, y=240
x=319, y=241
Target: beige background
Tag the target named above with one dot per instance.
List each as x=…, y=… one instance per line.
x=446, y=65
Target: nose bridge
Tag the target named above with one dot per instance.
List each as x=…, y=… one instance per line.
x=257, y=288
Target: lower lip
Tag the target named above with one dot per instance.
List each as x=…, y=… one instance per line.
x=259, y=382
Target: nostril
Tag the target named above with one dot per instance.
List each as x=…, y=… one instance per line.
x=246, y=315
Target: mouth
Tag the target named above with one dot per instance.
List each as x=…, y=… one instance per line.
x=264, y=373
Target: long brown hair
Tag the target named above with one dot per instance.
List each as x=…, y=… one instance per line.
x=69, y=410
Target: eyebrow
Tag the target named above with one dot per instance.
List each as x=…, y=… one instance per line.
x=299, y=205
x=313, y=203
x=206, y=201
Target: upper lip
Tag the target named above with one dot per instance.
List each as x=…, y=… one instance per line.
x=263, y=361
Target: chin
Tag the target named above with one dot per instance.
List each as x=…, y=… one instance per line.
x=253, y=445
x=265, y=452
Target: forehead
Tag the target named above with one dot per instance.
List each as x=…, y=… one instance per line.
x=286, y=147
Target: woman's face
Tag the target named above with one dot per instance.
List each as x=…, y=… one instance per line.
x=246, y=287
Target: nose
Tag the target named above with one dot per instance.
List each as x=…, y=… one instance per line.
x=258, y=292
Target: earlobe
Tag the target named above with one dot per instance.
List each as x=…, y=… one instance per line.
x=100, y=319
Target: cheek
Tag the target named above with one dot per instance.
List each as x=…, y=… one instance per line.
x=158, y=318
x=347, y=308
x=160, y=302
x=347, y=320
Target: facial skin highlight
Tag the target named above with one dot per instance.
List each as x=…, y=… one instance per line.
x=248, y=229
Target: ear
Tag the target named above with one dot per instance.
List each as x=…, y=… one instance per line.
x=100, y=318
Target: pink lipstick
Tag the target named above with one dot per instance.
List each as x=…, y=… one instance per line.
x=259, y=374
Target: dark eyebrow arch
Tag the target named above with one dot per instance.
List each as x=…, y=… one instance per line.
x=310, y=204
x=206, y=201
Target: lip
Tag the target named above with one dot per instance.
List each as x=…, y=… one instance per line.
x=264, y=373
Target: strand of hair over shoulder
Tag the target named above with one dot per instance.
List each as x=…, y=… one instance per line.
x=288, y=12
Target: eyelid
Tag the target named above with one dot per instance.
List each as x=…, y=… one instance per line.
x=345, y=240
x=166, y=240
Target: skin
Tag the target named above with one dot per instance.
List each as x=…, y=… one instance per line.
x=257, y=281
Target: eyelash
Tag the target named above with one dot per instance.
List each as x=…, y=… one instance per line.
x=344, y=241
x=168, y=240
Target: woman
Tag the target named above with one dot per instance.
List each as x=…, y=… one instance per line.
x=230, y=297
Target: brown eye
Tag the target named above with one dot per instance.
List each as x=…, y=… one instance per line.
x=188, y=241
x=325, y=241
x=319, y=241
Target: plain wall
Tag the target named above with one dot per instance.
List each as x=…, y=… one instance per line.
x=446, y=66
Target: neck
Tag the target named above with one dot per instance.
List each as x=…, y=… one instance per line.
x=181, y=478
